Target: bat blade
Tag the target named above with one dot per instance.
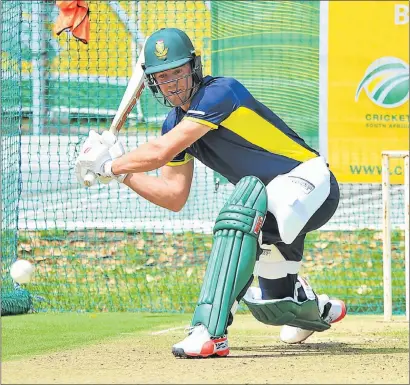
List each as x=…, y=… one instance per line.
x=131, y=96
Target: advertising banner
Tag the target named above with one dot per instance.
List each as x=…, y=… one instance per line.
x=368, y=87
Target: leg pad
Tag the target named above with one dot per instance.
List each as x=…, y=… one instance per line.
x=233, y=255
x=286, y=311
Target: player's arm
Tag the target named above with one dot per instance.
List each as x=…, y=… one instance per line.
x=170, y=190
x=158, y=152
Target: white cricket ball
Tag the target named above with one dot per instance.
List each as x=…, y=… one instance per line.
x=21, y=271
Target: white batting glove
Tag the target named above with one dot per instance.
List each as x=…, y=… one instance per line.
x=104, y=179
x=116, y=150
x=96, y=156
x=93, y=152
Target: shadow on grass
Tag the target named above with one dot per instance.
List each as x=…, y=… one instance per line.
x=313, y=349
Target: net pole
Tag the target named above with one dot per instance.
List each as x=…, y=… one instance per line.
x=387, y=286
x=323, y=78
x=134, y=53
x=38, y=63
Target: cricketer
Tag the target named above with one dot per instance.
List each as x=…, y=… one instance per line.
x=283, y=190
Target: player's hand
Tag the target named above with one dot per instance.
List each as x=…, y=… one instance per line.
x=116, y=150
x=93, y=155
x=96, y=155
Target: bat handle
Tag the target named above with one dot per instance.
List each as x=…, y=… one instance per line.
x=89, y=179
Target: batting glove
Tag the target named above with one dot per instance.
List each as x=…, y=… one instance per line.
x=96, y=156
x=116, y=150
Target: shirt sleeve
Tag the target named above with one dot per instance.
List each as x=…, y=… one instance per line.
x=183, y=157
x=213, y=104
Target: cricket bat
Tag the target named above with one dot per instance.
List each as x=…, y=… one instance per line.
x=128, y=101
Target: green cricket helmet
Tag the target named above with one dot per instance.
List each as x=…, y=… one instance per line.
x=167, y=49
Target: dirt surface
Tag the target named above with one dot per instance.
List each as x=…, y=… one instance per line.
x=361, y=350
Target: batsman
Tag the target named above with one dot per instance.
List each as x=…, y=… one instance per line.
x=283, y=190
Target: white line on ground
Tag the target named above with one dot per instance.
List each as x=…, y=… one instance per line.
x=169, y=330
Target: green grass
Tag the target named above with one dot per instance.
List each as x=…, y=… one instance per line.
x=131, y=271
x=349, y=265
x=34, y=334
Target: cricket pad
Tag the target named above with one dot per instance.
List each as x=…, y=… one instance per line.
x=286, y=311
x=233, y=256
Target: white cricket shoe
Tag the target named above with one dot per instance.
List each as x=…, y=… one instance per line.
x=200, y=344
x=294, y=335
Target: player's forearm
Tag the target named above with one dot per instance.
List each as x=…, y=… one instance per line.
x=147, y=157
x=155, y=189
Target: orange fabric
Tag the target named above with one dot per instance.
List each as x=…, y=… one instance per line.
x=74, y=16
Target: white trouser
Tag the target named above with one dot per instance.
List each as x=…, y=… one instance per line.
x=294, y=197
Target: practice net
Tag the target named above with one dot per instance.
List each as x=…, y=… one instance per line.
x=14, y=300
x=107, y=249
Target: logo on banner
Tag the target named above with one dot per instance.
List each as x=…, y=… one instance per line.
x=386, y=82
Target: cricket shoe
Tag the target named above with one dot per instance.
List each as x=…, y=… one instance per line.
x=335, y=309
x=200, y=344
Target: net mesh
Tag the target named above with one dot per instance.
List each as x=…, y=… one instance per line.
x=105, y=248
x=13, y=299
